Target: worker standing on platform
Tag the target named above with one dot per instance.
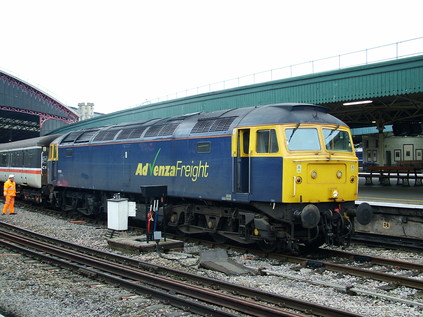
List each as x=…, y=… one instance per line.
x=9, y=194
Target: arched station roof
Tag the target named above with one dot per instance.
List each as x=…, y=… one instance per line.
x=393, y=90
x=25, y=110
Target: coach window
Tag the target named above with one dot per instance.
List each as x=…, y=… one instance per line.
x=267, y=141
x=17, y=159
x=3, y=160
x=28, y=157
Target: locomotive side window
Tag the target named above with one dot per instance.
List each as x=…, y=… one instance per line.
x=203, y=147
x=302, y=139
x=69, y=152
x=267, y=141
x=336, y=140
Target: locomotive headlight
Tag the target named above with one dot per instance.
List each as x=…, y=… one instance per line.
x=339, y=174
x=333, y=193
x=313, y=174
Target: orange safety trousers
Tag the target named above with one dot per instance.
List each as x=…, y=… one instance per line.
x=9, y=204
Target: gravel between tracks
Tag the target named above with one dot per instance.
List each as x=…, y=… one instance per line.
x=29, y=288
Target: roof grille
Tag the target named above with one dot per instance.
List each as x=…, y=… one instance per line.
x=212, y=125
x=86, y=136
x=71, y=137
x=161, y=129
x=107, y=135
x=131, y=133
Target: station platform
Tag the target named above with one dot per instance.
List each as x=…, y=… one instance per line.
x=397, y=209
x=389, y=195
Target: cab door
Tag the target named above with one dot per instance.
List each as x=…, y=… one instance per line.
x=242, y=160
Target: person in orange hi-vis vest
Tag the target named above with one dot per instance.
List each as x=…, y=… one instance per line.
x=9, y=193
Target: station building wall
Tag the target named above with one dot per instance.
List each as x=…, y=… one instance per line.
x=399, y=150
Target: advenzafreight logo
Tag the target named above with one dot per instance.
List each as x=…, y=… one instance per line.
x=179, y=169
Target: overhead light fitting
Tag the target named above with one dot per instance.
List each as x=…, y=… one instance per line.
x=354, y=103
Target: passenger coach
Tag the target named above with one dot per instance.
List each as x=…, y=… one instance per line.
x=27, y=160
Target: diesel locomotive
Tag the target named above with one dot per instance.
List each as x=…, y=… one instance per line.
x=280, y=175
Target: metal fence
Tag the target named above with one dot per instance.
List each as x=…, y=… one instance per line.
x=382, y=53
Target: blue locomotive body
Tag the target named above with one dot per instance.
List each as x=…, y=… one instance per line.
x=125, y=167
x=191, y=168
x=192, y=162
x=280, y=175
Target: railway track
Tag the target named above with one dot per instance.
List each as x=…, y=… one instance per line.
x=374, y=260
x=392, y=242
x=181, y=289
x=311, y=262
x=394, y=279
x=362, y=272
x=315, y=262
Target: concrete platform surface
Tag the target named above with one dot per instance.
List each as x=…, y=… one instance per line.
x=391, y=194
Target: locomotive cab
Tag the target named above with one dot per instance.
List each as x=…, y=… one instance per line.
x=309, y=174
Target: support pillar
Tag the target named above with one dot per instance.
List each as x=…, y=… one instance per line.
x=381, y=142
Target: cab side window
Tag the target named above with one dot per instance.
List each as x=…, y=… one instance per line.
x=267, y=141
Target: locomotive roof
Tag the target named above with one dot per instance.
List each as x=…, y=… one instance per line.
x=205, y=123
x=33, y=142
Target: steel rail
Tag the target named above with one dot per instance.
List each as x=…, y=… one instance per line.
x=96, y=266
x=380, y=276
x=373, y=259
x=176, y=301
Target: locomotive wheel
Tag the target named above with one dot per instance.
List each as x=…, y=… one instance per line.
x=218, y=238
x=267, y=246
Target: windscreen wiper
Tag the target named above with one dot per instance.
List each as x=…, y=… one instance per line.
x=293, y=131
x=332, y=131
